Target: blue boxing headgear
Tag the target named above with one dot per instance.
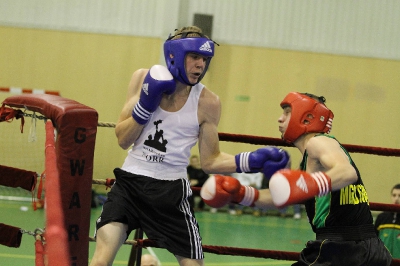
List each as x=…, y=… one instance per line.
x=179, y=48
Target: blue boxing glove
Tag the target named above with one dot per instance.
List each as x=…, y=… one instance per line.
x=253, y=162
x=273, y=165
x=158, y=81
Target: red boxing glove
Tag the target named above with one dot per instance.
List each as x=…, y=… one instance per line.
x=220, y=190
x=289, y=187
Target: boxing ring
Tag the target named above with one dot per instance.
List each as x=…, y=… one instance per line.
x=70, y=140
x=71, y=130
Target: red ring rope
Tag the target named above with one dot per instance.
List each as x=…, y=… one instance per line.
x=258, y=140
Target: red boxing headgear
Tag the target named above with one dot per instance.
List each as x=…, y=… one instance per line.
x=304, y=108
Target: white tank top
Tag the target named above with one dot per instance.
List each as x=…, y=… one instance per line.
x=163, y=148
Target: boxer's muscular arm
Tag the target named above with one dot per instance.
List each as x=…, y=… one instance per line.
x=127, y=129
x=145, y=92
x=331, y=159
x=214, y=161
x=328, y=168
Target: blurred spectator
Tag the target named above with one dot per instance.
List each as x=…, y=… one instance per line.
x=387, y=226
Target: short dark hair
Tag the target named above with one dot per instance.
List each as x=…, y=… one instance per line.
x=396, y=187
x=320, y=99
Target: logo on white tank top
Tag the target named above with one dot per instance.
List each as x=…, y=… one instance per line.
x=156, y=145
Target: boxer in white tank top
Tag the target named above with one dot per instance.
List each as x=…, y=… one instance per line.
x=164, y=146
x=167, y=111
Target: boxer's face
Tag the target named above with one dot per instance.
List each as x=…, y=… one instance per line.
x=396, y=196
x=194, y=66
x=284, y=119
